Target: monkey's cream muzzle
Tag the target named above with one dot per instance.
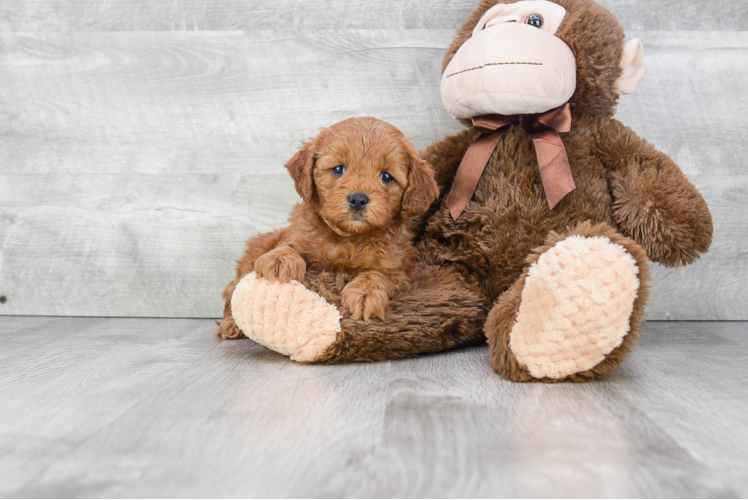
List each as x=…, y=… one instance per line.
x=509, y=67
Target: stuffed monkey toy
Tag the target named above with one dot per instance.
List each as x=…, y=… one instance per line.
x=550, y=210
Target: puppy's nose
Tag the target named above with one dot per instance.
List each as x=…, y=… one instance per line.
x=358, y=201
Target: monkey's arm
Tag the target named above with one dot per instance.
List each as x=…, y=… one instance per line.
x=445, y=156
x=256, y=247
x=653, y=201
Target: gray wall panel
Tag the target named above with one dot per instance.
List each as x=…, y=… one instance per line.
x=222, y=15
x=134, y=165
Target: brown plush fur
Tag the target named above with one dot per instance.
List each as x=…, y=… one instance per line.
x=626, y=190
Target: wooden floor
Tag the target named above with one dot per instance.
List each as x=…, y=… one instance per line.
x=94, y=407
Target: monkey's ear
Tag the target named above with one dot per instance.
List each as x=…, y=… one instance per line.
x=300, y=167
x=632, y=66
x=422, y=189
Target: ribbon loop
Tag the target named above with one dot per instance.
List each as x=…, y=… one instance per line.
x=486, y=124
x=558, y=119
x=543, y=129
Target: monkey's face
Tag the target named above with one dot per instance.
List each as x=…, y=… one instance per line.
x=512, y=64
x=525, y=57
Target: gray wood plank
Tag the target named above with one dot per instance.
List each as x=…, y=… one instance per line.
x=687, y=375
x=181, y=15
x=453, y=428
x=136, y=408
x=69, y=378
x=19, y=334
x=134, y=165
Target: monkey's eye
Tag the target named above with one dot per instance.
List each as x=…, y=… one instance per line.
x=386, y=178
x=338, y=171
x=535, y=20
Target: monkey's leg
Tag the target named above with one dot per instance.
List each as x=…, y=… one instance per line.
x=440, y=312
x=575, y=312
x=256, y=246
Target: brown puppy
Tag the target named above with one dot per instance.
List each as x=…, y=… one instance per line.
x=362, y=184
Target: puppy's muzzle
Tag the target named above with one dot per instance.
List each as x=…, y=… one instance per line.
x=358, y=201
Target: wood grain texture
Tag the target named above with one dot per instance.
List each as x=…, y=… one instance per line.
x=222, y=15
x=158, y=408
x=133, y=166
x=712, y=353
x=63, y=379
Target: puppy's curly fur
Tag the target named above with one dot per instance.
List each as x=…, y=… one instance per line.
x=362, y=186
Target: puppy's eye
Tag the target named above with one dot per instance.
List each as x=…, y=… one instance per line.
x=535, y=20
x=338, y=171
x=485, y=26
x=386, y=178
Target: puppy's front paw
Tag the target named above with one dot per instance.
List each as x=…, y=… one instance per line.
x=364, y=301
x=281, y=264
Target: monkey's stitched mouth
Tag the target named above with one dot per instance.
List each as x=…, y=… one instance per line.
x=493, y=64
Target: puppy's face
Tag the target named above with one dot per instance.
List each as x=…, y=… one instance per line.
x=362, y=174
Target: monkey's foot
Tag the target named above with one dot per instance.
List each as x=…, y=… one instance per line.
x=575, y=307
x=285, y=317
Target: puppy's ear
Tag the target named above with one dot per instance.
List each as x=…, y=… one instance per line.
x=300, y=167
x=422, y=189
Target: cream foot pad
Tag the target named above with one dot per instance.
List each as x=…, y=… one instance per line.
x=285, y=317
x=576, y=306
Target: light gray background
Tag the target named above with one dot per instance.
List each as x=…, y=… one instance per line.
x=141, y=142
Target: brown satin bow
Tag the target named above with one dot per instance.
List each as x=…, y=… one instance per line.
x=552, y=160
